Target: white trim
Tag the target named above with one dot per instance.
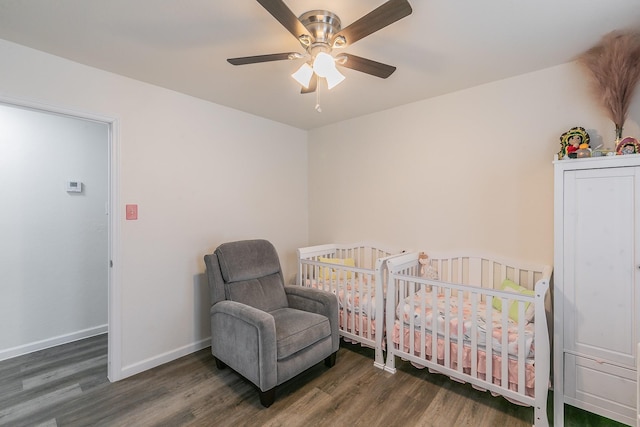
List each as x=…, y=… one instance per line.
x=163, y=358
x=51, y=342
x=114, y=371
x=114, y=366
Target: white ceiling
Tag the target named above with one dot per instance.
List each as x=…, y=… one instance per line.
x=443, y=46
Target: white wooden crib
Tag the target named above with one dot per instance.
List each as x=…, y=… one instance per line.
x=357, y=274
x=464, y=291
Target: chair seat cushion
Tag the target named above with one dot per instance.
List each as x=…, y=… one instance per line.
x=297, y=330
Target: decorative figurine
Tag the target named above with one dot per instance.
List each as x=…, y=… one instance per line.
x=628, y=145
x=571, y=141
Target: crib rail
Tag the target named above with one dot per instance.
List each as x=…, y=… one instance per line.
x=458, y=342
x=365, y=255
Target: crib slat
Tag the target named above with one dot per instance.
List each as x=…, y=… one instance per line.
x=447, y=327
x=434, y=324
x=488, y=340
x=491, y=272
x=410, y=292
x=474, y=335
x=504, y=365
x=400, y=292
x=521, y=347
x=350, y=308
x=357, y=310
x=371, y=308
x=423, y=326
x=460, y=343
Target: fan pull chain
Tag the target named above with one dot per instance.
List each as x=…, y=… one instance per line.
x=318, y=108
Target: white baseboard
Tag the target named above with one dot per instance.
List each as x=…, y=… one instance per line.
x=52, y=342
x=161, y=359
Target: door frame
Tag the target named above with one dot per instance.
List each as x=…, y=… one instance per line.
x=114, y=311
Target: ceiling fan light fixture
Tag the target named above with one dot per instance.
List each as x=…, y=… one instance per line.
x=324, y=64
x=303, y=75
x=334, y=78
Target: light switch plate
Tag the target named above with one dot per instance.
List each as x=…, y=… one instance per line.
x=132, y=212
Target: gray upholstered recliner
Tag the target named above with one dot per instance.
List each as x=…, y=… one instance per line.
x=262, y=329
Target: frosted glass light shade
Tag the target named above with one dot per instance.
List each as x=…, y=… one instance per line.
x=303, y=75
x=324, y=64
x=334, y=78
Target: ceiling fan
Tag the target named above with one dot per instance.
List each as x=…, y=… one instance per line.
x=319, y=32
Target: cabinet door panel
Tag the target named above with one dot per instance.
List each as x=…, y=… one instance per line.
x=600, y=387
x=599, y=269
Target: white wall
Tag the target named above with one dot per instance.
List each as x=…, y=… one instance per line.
x=201, y=173
x=53, y=251
x=469, y=170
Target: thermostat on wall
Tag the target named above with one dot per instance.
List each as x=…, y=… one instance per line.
x=73, y=186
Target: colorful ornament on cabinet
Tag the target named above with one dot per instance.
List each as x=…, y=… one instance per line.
x=573, y=140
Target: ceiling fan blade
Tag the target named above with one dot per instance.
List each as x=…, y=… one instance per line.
x=263, y=58
x=365, y=65
x=313, y=85
x=386, y=14
x=285, y=16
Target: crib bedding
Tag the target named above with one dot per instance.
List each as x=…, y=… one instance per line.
x=348, y=292
x=420, y=307
x=417, y=310
x=496, y=363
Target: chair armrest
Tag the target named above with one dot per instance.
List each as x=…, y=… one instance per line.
x=316, y=301
x=244, y=338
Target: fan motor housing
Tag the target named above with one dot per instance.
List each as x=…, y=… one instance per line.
x=322, y=24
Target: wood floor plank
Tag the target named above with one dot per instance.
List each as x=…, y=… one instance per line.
x=44, y=402
x=66, y=371
x=303, y=411
x=47, y=423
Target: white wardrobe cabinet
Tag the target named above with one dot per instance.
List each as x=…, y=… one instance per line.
x=597, y=286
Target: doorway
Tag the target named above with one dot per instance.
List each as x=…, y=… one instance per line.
x=56, y=275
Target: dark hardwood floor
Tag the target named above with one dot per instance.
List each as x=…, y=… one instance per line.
x=67, y=386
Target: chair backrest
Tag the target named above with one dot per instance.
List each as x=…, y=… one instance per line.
x=248, y=272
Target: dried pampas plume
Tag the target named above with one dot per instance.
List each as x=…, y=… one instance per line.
x=615, y=67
